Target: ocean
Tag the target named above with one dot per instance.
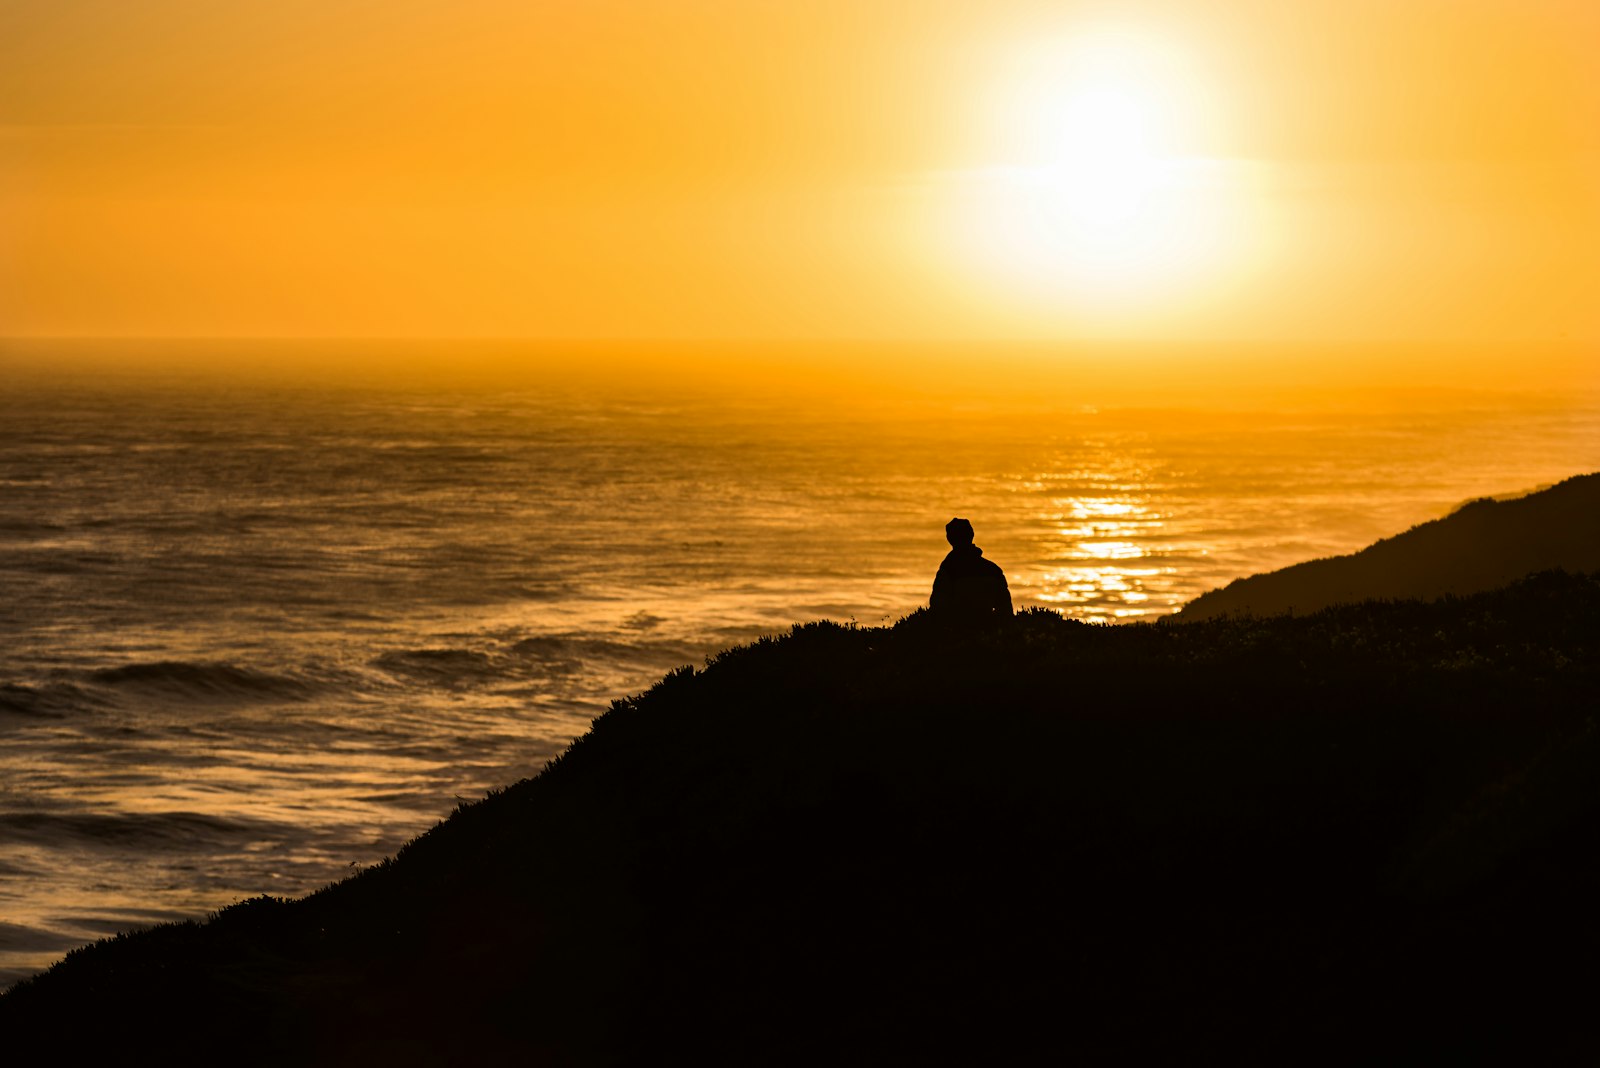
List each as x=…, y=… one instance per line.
x=258, y=630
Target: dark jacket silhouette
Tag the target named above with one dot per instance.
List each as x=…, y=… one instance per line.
x=968, y=588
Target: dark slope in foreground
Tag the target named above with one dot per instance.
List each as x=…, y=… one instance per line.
x=1371, y=832
x=1481, y=546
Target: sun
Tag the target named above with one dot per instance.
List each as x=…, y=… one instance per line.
x=1102, y=194
x=1106, y=166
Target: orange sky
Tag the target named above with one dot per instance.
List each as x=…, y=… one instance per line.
x=1302, y=170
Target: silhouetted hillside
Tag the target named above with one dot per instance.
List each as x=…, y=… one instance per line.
x=1480, y=546
x=1371, y=833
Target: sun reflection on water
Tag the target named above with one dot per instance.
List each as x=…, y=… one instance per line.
x=1101, y=551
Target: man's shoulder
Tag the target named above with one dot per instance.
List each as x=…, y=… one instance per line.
x=969, y=563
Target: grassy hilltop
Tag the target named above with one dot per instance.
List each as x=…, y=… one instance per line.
x=1371, y=832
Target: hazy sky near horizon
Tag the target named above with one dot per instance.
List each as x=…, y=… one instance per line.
x=1307, y=170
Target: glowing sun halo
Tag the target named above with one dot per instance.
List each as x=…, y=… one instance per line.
x=1102, y=199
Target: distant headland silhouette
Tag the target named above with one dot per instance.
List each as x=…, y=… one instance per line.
x=1483, y=545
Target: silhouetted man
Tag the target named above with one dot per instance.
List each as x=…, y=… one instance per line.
x=968, y=588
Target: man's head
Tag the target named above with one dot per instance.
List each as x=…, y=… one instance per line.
x=958, y=532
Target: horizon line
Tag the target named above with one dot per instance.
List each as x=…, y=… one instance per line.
x=841, y=340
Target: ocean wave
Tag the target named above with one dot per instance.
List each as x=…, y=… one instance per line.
x=440, y=667
x=565, y=654
x=12, y=869
x=181, y=679
x=572, y=649
x=17, y=938
x=25, y=526
x=42, y=702
x=537, y=657
x=23, y=701
x=145, y=831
